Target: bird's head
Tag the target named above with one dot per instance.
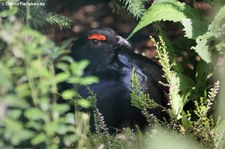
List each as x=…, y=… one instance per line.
x=98, y=45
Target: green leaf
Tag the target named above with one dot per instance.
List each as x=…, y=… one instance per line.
x=5, y=81
x=14, y=113
x=44, y=104
x=68, y=94
x=70, y=118
x=219, y=131
x=216, y=26
x=23, y=90
x=41, y=137
x=51, y=128
x=84, y=103
x=34, y=114
x=34, y=125
x=135, y=7
x=13, y=125
x=221, y=47
x=10, y=12
x=70, y=139
x=60, y=20
x=78, y=67
x=61, y=77
x=67, y=58
x=63, y=66
x=14, y=101
x=164, y=139
x=193, y=28
x=88, y=80
x=61, y=108
x=166, y=11
x=202, y=47
x=22, y=135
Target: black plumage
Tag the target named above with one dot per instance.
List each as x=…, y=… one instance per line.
x=112, y=61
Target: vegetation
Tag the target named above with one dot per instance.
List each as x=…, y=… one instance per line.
x=32, y=67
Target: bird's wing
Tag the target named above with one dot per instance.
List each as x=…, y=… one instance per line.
x=141, y=64
x=149, y=73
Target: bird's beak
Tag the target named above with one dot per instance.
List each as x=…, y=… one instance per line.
x=123, y=42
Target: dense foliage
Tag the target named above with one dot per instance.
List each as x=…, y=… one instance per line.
x=32, y=68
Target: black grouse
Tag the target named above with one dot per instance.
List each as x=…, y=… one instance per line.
x=112, y=61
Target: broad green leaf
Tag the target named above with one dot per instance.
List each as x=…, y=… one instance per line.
x=61, y=77
x=5, y=81
x=84, y=103
x=176, y=100
x=51, y=128
x=88, y=80
x=216, y=26
x=22, y=135
x=14, y=113
x=70, y=139
x=76, y=71
x=63, y=66
x=78, y=67
x=34, y=114
x=193, y=28
x=53, y=146
x=13, y=125
x=166, y=11
x=34, y=125
x=23, y=90
x=70, y=118
x=44, y=103
x=67, y=58
x=68, y=94
x=60, y=108
x=39, y=139
x=186, y=86
x=202, y=47
x=14, y=101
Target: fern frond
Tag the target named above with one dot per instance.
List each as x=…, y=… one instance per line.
x=100, y=125
x=173, y=80
x=40, y=17
x=62, y=21
x=142, y=100
x=212, y=94
x=135, y=7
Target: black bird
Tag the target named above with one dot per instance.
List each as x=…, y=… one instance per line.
x=112, y=61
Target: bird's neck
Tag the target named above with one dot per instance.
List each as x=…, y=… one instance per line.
x=107, y=67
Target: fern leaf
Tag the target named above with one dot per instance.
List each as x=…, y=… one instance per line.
x=100, y=122
x=172, y=78
x=61, y=21
x=135, y=7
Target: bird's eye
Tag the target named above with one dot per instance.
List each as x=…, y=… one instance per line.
x=95, y=42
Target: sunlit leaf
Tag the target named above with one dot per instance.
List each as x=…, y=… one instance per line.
x=166, y=11
x=34, y=114
x=68, y=94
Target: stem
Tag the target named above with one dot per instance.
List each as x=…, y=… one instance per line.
x=34, y=92
x=53, y=82
x=28, y=16
x=31, y=82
